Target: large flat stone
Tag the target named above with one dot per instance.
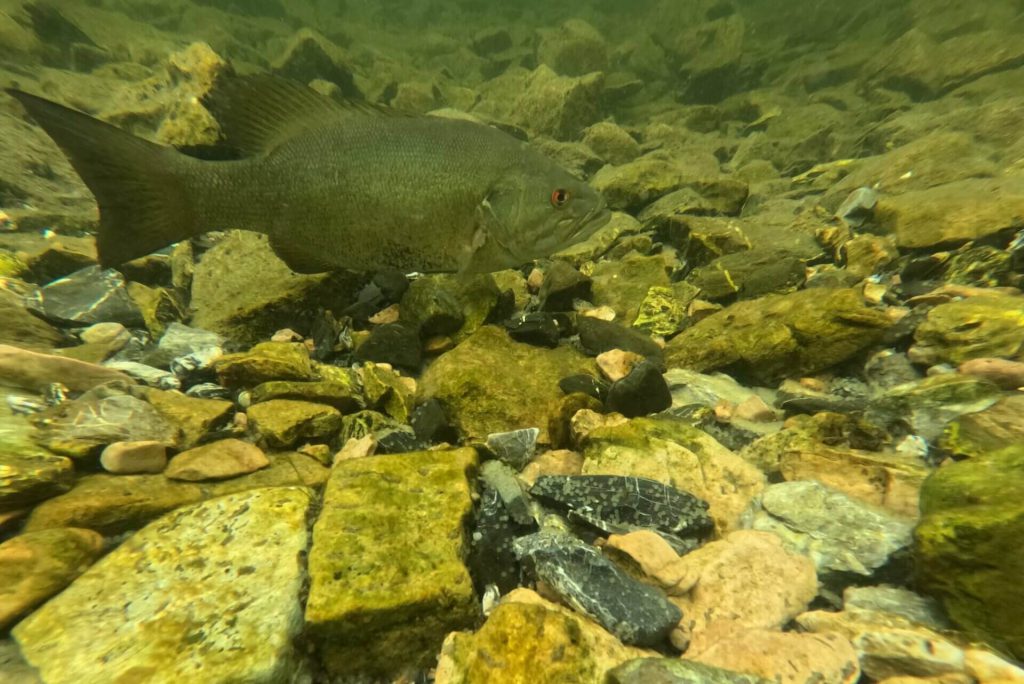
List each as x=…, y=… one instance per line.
x=208, y=593
x=387, y=580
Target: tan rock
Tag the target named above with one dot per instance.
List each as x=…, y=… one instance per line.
x=36, y=565
x=616, y=364
x=554, y=462
x=586, y=421
x=748, y=580
x=146, y=456
x=656, y=559
x=357, y=448
x=755, y=409
x=529, y=639
x=219, y=460
x=34, y=371
x=1005, y=373
x=988, y=668
x=941, y=679
x=785, y=657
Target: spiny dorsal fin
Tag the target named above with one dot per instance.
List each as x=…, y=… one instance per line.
x=256, y=113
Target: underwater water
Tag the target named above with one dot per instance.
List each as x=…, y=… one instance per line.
x=423, y=341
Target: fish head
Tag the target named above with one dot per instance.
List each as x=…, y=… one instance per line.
x=535, y=210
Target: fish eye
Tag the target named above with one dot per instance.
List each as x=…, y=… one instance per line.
x=560, y=197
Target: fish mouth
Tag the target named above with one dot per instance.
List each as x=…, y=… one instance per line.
x=591, y=222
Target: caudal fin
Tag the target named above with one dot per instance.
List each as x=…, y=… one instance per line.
x=137, y=184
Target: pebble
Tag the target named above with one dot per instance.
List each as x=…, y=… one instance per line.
x=755, y=409
x=1007, y=374
x=562, y=285
x=643, y=391
x=124, y=458
x=616, y=364
x=537, y=328
x=106, y=334
x=217, y=461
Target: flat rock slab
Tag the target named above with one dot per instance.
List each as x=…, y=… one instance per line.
x=387, y=580
x=206, y=593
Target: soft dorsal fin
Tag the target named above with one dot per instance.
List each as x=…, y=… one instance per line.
x=256, y=113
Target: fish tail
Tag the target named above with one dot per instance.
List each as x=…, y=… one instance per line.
x=139, y=186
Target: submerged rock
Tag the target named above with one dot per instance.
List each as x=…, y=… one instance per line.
x=219, y=460
x=677, y=671
x=386, y=573
x=265, y=362
x=635, y=613
x=972, y=328
x=559, y=106
x=283, y=423
x=35, y=371
x=217, y=602
x=91, y=295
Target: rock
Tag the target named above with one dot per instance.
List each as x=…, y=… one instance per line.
x=559, y=106
x=392, y=343
x=624, y=285
x=897, y=601
x=24, y=330
x=677, y=671
x=516, y=448
x=491, y=41
x=147, y=375
x=226, y=300
x=641, y=392
x=283, y=423
x=112, y=504
x=529, y=639
x=648, y=553
x=181, y=340
x=386, y=575
x=219, y=460
x=562, y=285
x=182, y=604
x=674, y=453
x=158, y=306
x=580, y=576
x=786, y=657
x=537, y=328
x=844, y=537
x=35, y=371
x=554, y=462
x=102, y=416
x=973, y=328
x=482, y=383
x=431, y=306
x=391, y=436
x=780, y=335
x=265, y=362
x=663, y=310
x=341, y=391
x=965, y=547
x=29, y=474
x=927, y=405
x=635, y=184
x=196, y=417
x=1008, y=375
x=750, y=273
x=953, y=213
x=613, y=504
x=308, y=56
x=91, y=295
x=132, y=458
x=997, y=427
x=573, y=49
x=611, y=142
x=37, y=565
x=748, y=579
x=712, y=56
x=985, y=666
x=597, y=337
x=616, y=364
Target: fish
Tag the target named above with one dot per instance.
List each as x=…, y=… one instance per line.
x=335, y=185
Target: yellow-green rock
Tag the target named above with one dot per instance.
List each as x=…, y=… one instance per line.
x=157, y=305
x=196, y=417
x=490, y=383
x=265, y=362
x=387, y=580
x=37, y=565
x=972, y=328
x=21, y=329
x=283, y=423
x=624, y=284
x=661, y=312
x=997, y=427
x=112, y=504
x=209, y=593
x=776, y=336
x=527, y=639
x=28, y=473
x=968, y=545
x=342, y=392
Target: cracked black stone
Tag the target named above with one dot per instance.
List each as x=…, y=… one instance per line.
x=491, y=558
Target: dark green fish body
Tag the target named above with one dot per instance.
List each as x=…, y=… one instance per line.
x=332, y=185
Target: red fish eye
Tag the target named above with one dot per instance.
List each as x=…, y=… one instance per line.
x=559, y=197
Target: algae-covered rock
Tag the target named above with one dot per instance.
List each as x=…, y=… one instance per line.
x=386, y=574
x=625, y=284
x=780, y=335
x=186, y=594
x=749, y=273
x=997, y=427
x=29, y=474
x=21, y=328
x=264, y=362
x=491, y=384
x=282, y=423
x=677, y=454
x=528, y=639
x=559, y=106
x=972, y=328
x=573, y=49
x=663, y=310
x=194, y=416
x=927, y=405
x=967, y=547
x=343, y=395
x=634, y=184
x=243, y=291
x=112, y=504
x=37, y=565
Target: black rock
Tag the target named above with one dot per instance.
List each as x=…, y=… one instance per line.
x=392, y=436
x=642, y=392
x=432, y=308
x=584, y=384
x=331, y=336
x=516, y=448
x=562, y=284
x=635, y=613
x=677, y=671
x=597, y=337
x=91, y=295
x=537, y=328
x=392, y=343
x=429, y=422
x=392, y=283
x=615, y=504
x=491, y=558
